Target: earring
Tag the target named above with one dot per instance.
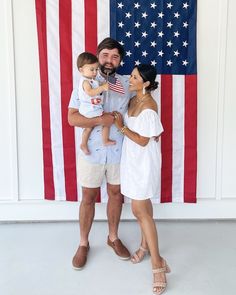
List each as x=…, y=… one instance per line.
x=144, y=90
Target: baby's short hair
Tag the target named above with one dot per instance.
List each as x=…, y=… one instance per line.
x=86, y=58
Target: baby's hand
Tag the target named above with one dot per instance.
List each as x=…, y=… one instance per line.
x=105, y=86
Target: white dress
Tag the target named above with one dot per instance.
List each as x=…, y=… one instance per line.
x=141, y=166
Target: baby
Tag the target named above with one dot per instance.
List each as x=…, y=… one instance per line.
x=90, y=96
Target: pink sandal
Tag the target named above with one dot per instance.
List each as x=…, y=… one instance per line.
x=161, y=285
x=138, y=258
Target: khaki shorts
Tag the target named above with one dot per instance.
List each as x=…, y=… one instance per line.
x=91, y=175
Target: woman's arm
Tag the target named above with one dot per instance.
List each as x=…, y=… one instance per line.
x=141, y=140
x=76, y=119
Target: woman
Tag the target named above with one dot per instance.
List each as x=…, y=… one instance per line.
x=140, y=165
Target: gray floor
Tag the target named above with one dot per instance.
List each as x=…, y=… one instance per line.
x=35, y=259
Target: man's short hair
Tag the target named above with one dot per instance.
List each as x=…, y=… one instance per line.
x=109, y=43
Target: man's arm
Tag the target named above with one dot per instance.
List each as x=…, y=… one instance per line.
x=78, y=120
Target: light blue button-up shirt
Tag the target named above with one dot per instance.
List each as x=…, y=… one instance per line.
x=113, y=101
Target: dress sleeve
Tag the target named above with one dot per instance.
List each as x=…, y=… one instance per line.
x=148, y=124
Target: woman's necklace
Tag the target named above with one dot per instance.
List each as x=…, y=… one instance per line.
x=141, y=99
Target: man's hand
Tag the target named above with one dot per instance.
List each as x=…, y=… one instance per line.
x=107, y=119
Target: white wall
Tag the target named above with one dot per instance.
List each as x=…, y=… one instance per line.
x=21, y=170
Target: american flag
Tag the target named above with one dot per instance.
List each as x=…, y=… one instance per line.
x=162, y=33
x=115, y=85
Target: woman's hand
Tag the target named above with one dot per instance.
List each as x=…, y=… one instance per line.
x=118, y=120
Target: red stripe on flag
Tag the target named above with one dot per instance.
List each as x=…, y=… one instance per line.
x=90, y=15
x=190, y=157
x=166, y=138
x=49, y=189
x=65, y=31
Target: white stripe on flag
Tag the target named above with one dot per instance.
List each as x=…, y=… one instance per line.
x=178, y=138
x=157, y=96
x=77, y=36
x=52, y=9
x=103, y=19
x=77, y=48
x=103, y=31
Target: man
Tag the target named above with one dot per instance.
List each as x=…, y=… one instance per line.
x=102, y=160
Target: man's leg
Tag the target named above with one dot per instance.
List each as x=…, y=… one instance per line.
x=86, y=215
x=114, y=207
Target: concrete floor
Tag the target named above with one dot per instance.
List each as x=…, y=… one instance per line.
x=35, y=259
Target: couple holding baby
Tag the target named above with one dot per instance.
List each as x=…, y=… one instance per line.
x=120, y=142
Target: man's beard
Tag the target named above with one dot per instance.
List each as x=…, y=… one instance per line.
x=107, y=71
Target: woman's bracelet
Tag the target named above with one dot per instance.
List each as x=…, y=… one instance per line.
x=122, y=130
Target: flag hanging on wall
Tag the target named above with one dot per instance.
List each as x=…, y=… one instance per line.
x=159, y=32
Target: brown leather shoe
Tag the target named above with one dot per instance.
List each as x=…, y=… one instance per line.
x=80, y=258
x=119, y=248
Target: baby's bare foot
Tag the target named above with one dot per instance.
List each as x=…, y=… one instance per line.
x=85, y=149
x=110, y=142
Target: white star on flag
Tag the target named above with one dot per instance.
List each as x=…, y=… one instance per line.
x=136, y=5
x=120, y=5
x=144, y=34
x=144, y=53
x=128, y=15
x=185, y=5
x=153, y=43
x=128, y=53
x=176, y=53
x=120, y=24
x=176, y=14
x=176, y=34
x=153, y=25
x=185, y=24
x=169, y=43
x=153, y=5
x=144, y=15
x=169, y=63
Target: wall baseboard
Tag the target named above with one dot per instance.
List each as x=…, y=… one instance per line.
x=68, y=211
